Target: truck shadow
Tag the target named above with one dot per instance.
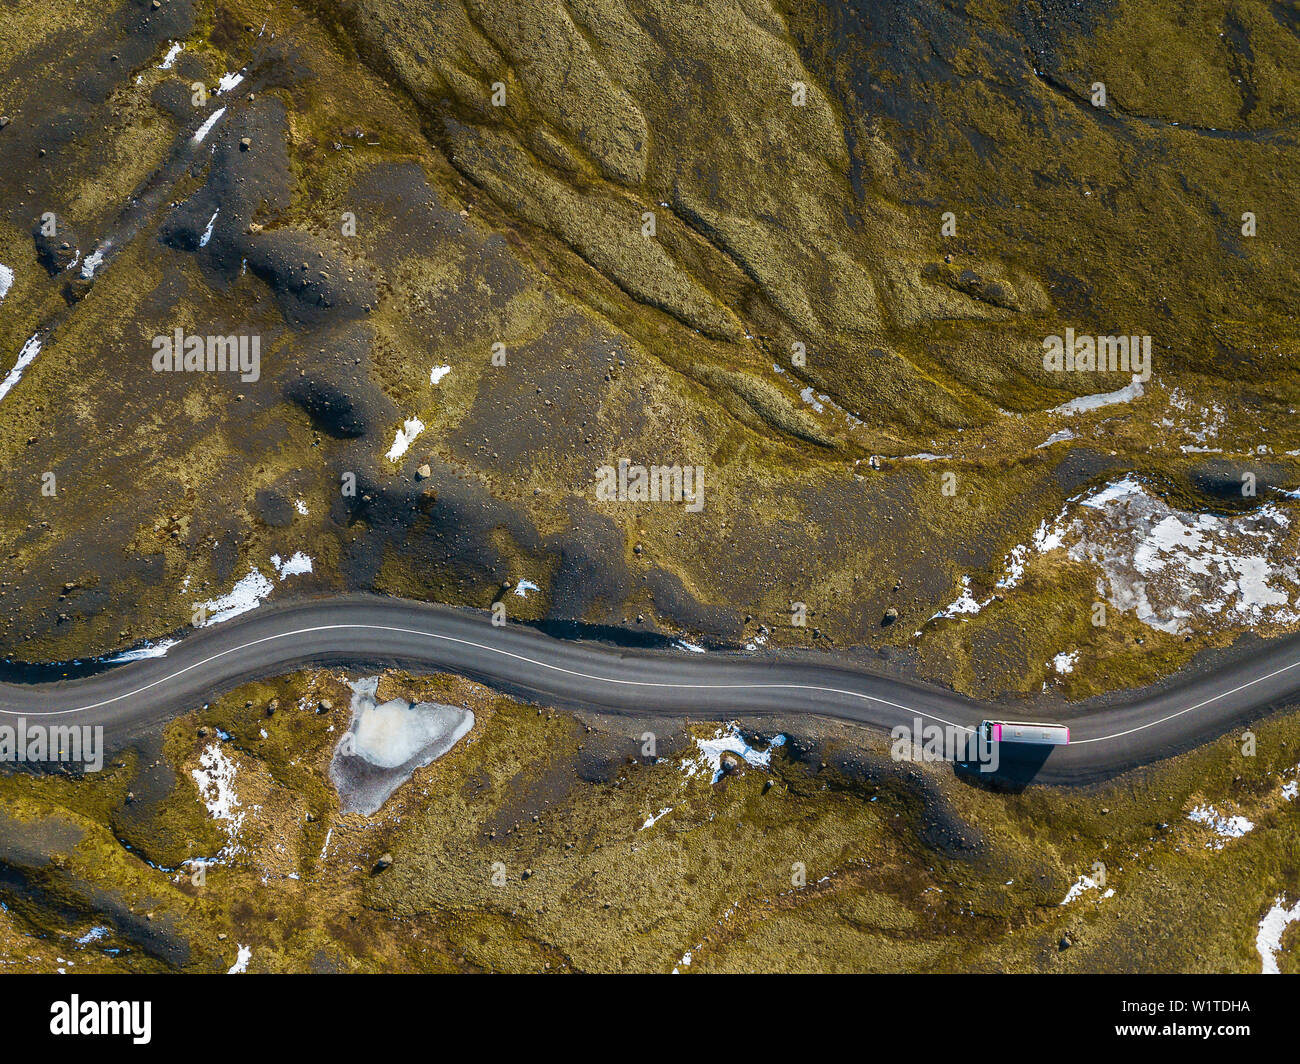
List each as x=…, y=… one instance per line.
x=1018, y=764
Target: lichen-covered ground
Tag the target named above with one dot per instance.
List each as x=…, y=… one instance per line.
x=813, y=248
x=548, y=841
x=384, y=226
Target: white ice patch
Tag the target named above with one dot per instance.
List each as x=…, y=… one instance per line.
x=26, y=357
x=724, y=739
x=241, y=962
x=694, y=648
x=93, y=935
x=207, y=233
x=300, y=506
x=1268, y=942
x=652, y=820
x=524, y=586
x=206, y=128
x=391, y=734
x=149, y=650
x=1093, y=402
x=229, y=81
x=385, y=743
x=6, y=280
x=298, y=564
x=170, y=57
x=437, y=373
x=1226, y=827
x=404, y=438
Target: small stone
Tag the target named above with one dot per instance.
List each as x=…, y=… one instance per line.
x=245, y=143
x=385, y=861
x=4, y=121
x=324, y=706
x=1065, y=943
x=423, y=473
x=891, y=615
x=528, y=872
x=272, y=706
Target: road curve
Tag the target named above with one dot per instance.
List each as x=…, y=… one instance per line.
x=367, y=630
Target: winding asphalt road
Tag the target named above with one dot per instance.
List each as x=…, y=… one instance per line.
x=366, y=630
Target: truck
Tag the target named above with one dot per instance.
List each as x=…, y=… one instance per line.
x=1008, y=731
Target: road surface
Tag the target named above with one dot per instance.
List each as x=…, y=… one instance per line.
x=367, y=630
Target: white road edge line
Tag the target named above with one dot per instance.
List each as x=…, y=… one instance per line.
x=490, y=649
x=625, y=683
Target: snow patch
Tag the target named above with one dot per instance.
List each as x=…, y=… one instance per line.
x=1093, y=402
x=404, y=438
x=215, y=778
x=206, y=128
x=247, y=594
x=207, y=233
x=1064, y=662
x=295, y=566
x=1268, y=942
x=1226, y=827
x=1086, y=883
x=727, y=739
x=26, y=357
x=140, y=653
x=91, y=264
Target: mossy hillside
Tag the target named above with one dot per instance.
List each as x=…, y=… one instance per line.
x=712, y=876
